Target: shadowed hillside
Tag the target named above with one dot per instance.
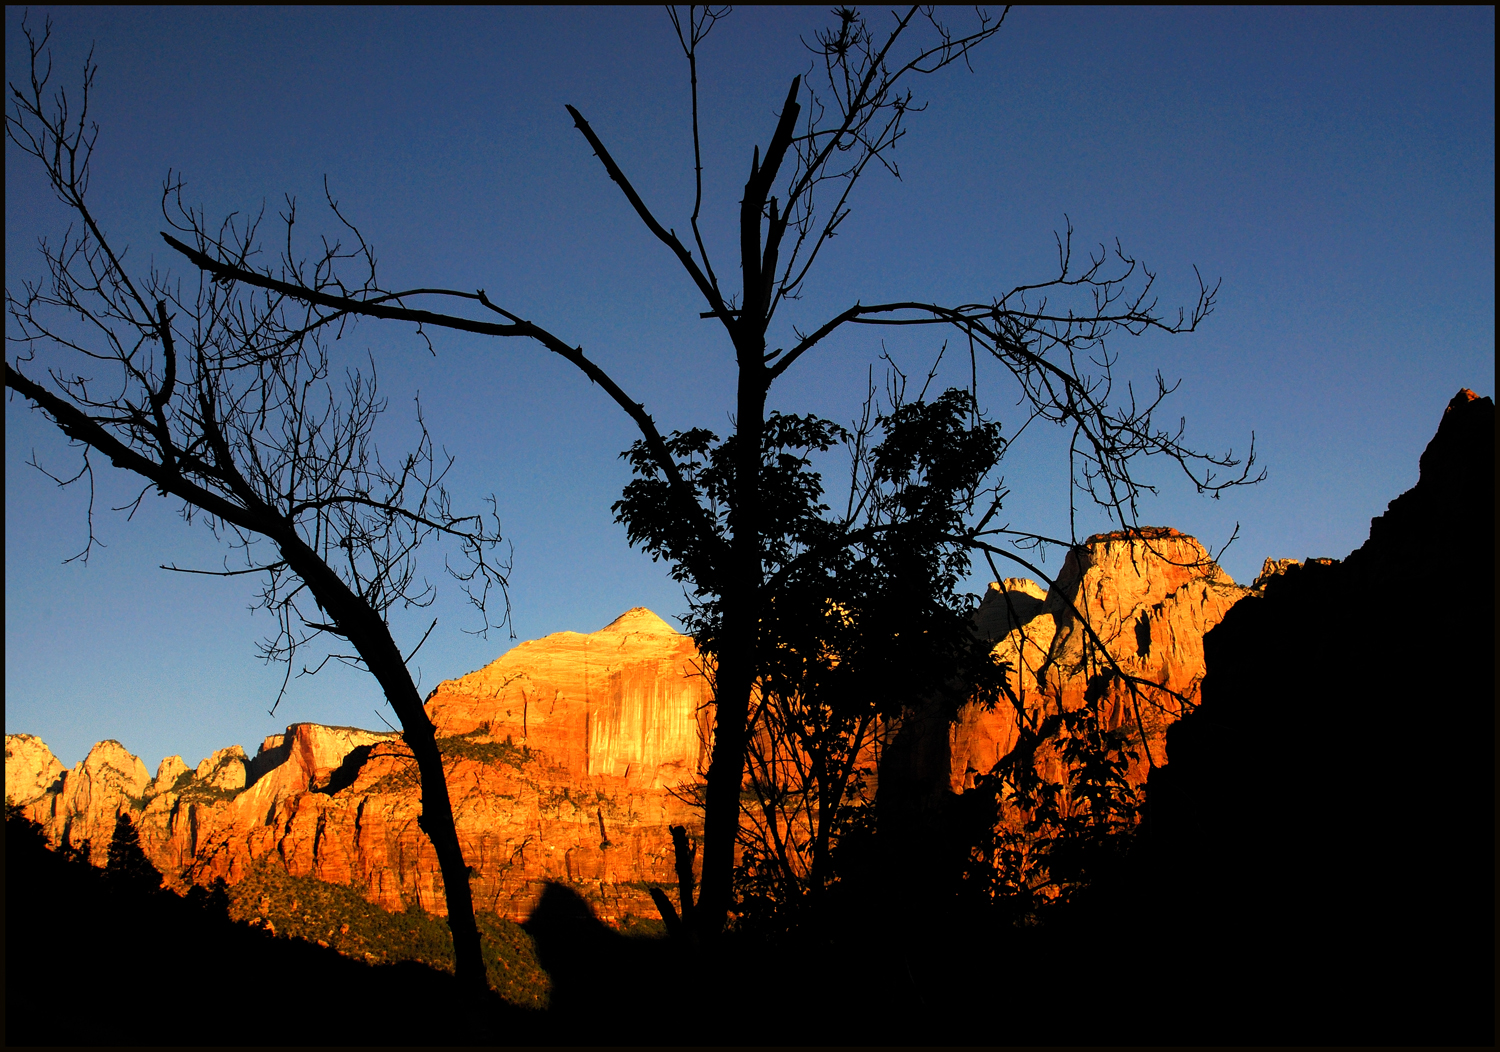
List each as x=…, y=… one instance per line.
x=99, y=957
x=1320, y=846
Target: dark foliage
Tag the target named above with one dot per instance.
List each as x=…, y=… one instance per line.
x=337, y=916
x=452, y=749
x=212, y=900
x=1070, y=833
x=862, y=618
x=465, y=747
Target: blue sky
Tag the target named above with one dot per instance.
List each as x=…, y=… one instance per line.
x=1335, y=167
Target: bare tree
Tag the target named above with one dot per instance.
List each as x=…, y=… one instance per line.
x=1051, y=336
x=213, y=394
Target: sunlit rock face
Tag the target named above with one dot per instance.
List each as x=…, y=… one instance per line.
x=30, y=768
x=304, y=758
x=79, y=805
x=570, y=756
x=567, y=760
x=225, y=769
x=168, y=773
x=626, y=702
x=1008, y=605
x=1146, y=597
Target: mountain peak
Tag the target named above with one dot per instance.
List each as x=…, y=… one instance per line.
x=639, y=619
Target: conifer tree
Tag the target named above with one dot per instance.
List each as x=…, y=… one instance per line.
x=128, y=866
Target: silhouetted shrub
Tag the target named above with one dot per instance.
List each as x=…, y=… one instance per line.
x=213, y=900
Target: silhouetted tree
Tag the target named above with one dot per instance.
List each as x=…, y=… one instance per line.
x=1050, y=336
x=1025, y=842
x=24, y=836
x=863, y=619
x=128, y=865
x=216, y=396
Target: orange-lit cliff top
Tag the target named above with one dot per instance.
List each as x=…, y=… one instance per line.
x=1145, y=533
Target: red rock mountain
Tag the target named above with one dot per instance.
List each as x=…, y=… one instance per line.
x=570, y=756
x=567, y=760
x=1148, y=598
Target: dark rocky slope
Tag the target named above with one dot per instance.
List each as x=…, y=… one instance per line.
x=1317, y=857
x=93, y=959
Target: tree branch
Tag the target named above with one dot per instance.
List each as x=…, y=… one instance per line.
x=517, y=328
x=709, y=288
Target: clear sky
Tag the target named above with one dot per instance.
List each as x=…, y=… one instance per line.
x=1335, y=167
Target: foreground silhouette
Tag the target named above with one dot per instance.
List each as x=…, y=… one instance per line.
x=244, y=429
x=96, y=957
x=1316, y=861
x=97, y=960
x=1315, y=864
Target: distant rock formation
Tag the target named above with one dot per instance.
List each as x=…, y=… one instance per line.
x=570, y=756
x=626, y=703
x=1148, y=596
x=567, y=760
x=30, y=768
x=80, y=805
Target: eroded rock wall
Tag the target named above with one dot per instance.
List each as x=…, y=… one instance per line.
x=567, y=760
x=628, y=702
x=30, y=768
x=76, y=807
x=1146, y=597
x=569, y=757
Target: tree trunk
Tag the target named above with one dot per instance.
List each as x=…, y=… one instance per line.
x=354, y=618
x=721, y=816
x=370, y=635
x=437, y=822
x=738, y=641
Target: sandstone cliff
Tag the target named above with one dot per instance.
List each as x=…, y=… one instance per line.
x=80, y=805
x=567, y=759
x=1148, y=597
x=570, y=756
x=627, y=702
x=30, y=768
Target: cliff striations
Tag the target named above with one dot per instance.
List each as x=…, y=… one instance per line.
x=564, y=760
